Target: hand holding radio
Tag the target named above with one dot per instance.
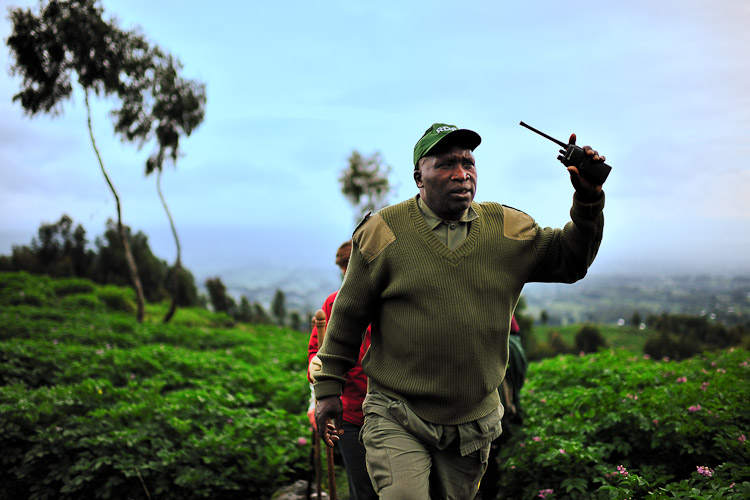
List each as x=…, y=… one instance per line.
x=587, y=168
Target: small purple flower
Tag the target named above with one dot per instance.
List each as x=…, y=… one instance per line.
x=694, y=408
x=742, y=438
x=705, y=471
x=544, y=493
x=301, y=441
x=681, y=380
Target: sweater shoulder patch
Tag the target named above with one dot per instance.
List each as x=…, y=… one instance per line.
x=372, y=236
x=518, y=225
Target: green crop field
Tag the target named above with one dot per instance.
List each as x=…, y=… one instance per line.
x=96, y=405
x=624, y=337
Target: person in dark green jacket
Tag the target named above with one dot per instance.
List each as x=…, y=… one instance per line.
x=438, y=277
x=510, y=397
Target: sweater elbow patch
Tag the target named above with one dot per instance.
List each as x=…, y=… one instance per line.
x=372, y=237
x=518, y=225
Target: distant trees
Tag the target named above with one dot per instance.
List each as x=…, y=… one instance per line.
x=681, y=336
x=278, y=307
x=635, y=319
x=61, y=250
x=58, y=250
x=217, y=295
x=589, y=339
x=295, y=320
x=364, y=183
x=246, y=312
x=544, y=317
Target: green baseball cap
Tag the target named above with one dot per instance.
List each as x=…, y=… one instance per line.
x=438, y=132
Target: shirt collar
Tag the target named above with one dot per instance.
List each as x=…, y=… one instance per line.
x=434, y=221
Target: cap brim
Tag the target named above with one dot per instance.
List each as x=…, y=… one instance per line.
x=462, y=137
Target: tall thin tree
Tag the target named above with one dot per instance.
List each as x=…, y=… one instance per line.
x=165, y=107
x=70, y=37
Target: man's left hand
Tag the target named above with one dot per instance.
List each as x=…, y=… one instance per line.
x=587, y=192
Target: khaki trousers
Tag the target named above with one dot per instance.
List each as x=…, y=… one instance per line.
x=409, y=458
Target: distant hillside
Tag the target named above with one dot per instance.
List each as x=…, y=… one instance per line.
x=606, y=299
x=305, y=287
x=598, y=299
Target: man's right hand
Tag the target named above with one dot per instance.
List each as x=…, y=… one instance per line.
x=329, y=408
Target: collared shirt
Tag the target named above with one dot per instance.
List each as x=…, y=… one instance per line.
x=452, y=233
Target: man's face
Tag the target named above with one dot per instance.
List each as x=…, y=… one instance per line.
x=447, y=181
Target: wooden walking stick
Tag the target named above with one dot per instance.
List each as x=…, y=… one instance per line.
x=316, y=447
x=320, y=326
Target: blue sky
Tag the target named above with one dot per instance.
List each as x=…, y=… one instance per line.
x=659, y=87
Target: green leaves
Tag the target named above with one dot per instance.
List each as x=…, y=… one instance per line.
x=94, y=404
x=615, y=412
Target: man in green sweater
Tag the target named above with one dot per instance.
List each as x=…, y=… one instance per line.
x=438, y=277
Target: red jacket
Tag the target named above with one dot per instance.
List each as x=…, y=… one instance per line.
x=355, y=387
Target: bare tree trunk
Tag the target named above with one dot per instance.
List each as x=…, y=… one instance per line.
x=132, y=268
x=178, y=262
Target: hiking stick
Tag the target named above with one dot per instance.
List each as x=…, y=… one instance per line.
x=316, y=447
x=316, y=441
x=320, y=326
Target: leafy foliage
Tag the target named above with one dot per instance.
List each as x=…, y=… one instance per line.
x=590, y=417
x=365, y=183
x=94, y=404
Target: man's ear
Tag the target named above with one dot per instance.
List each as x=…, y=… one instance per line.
x=418, y=178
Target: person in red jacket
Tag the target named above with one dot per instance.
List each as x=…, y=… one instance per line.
x=354, y=392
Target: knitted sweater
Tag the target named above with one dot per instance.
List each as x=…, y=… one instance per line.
x=440, y=318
